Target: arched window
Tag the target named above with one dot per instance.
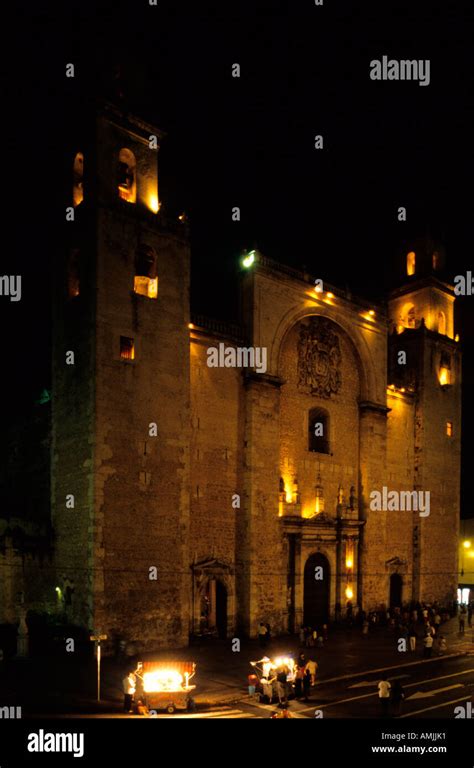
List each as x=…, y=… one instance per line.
x=442, y=323
x=318, y=430
x=127, y=183
x=77, y=184
x=408, y=316
x=145, y=281
x=445, y=375
x=411, y=259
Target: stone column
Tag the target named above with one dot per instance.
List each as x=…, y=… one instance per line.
x=261, y=566
x=372, y=550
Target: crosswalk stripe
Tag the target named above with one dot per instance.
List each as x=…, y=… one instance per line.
x=215, y=714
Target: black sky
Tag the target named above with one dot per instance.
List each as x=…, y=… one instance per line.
x=249, y=142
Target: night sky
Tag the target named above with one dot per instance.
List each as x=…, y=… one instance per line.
x=248, y=142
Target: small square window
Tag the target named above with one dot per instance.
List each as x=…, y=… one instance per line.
x=449, y=428
x=127, y=348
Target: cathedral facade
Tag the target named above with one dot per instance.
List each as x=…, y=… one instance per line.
x=206, y=477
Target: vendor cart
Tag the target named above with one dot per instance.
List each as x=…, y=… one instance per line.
x=166, y=684
x=267, y=670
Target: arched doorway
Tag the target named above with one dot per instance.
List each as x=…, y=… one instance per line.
x=214, y=608
x=221, y=610
x=396, y=587
x=317, y=580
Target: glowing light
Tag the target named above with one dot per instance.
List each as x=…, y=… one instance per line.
x=456, y=338
x=443, y=376
x=146, y=286
x=349, y=593
x=371, y=312
x=402, y=389
x=58, y=590
x=248, y=260
x=411, y=259
x=191, y=325
x=466, y=544
x=318, y=288
x=286, y=661
x=182, y=217
x=162, y=680
x=349, y=562
x=288, y=497
x=153, y=203
x=330, y=295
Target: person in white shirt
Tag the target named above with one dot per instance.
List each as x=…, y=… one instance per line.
x=129, y=686
x=384, y=696
x=428, y=643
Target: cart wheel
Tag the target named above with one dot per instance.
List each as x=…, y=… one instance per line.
x=171, y=709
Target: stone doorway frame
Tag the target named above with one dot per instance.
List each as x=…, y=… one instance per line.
x=203, y=572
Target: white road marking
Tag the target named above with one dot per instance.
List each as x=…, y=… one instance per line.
x=387, y=669
x=374, y=693
x=427, y=694
x=367, y=683
x=215, y=714
x=435, y=706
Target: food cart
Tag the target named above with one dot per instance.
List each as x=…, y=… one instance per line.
x=268, y=668
x=166, y=684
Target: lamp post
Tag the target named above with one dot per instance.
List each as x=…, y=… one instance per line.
x=96, y=639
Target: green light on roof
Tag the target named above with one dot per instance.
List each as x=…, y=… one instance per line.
x=249, y=259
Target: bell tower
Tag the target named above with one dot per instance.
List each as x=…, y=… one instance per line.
x=120, y=455
x=425, y=362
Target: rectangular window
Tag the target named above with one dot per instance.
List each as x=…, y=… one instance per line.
x=146, y=286
x=449, y=428
x=127, y=348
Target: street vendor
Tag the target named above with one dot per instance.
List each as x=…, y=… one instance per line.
x=129, y=686
x=267, y=688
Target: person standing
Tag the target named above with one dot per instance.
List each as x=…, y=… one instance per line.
x=384, y=696
x=269, y=633
x=299, y=682
x=262, y=634
x=312, y=668
x=267, y=688
x=129, y=686
x=428, y=643
x=462, y=620
x=442, y=645
x=306, y=684
x=282, y=675
x=412, y=637
x=301, y=660
x=398, y=694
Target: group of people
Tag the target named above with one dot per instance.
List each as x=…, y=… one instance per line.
x=289, y=679
x=310, y=637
